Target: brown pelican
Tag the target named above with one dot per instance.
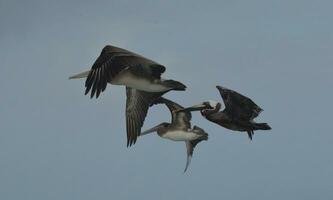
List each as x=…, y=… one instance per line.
x=179, y=129
x=141, y=76
x=238, y=114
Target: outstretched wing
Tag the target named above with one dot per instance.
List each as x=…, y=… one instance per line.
x=189, y=151
x=114, y=60
x=181, y=118
x=137, y=104
x=190, y=145
x=239, y=105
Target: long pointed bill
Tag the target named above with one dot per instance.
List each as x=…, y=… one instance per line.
x=151, y=130
x=194, y=108
x=80, y=75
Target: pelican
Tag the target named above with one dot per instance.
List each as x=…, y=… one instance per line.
x=179, y=129
x=141, y=76
x=238, y=114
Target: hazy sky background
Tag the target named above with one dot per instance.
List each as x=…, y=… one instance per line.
x=56, y=143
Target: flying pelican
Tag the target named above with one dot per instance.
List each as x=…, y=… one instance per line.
x=141, y=76
x=238, y=114
x=179, y=129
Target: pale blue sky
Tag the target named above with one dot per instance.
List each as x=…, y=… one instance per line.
x=56, y=143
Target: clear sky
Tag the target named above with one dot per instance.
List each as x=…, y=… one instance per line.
x=56, y=143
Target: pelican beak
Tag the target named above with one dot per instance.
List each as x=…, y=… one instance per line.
x=151, y=130
x=195, y=108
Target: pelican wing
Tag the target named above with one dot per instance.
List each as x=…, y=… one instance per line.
x=239, y=105
x=189, y=151
x=190, y=145
x=180, y=118
x=137, y=105
x=111, y=62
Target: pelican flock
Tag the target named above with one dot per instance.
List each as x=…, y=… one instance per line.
x=145, y=88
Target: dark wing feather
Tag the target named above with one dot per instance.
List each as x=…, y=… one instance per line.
x=190, y=145
x=137, y=105
x=189, y=152
x=157, y=70
x=114, y=60
x=238, y=105
x=178, y=118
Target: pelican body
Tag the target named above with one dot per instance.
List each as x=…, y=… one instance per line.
x=141, y=76
x=238, y=115
x=179, y=129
